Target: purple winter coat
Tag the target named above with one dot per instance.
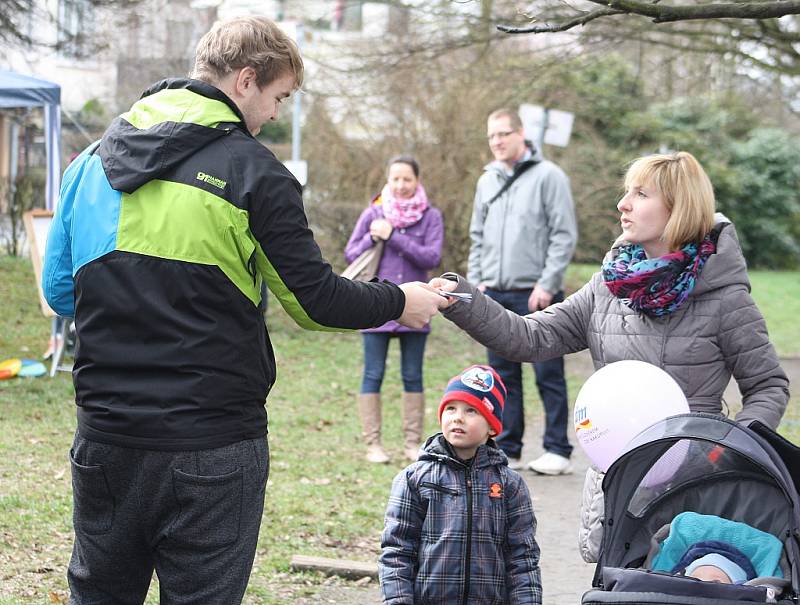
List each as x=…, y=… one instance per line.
x=408, y=254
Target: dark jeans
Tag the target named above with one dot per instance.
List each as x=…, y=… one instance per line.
x=192, y=516
x=412, y=350
x=549, y=380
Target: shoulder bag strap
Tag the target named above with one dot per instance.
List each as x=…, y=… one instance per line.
x=509, y=181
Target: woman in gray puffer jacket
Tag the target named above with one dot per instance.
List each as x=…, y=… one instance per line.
x=673, y=291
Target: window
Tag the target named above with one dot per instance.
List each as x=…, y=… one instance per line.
x=75, y=27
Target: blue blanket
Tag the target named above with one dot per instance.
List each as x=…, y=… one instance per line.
x=763, y=549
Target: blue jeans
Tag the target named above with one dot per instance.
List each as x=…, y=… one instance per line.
x=192, y=516
x=549, y=380
x=412, y=349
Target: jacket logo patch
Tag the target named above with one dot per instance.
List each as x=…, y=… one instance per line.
x=495, y=490
x=211, y=180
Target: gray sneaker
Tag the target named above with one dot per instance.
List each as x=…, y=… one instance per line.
x=551, y=464
x=515, y=464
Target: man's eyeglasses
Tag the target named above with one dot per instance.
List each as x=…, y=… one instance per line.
x=499, y=135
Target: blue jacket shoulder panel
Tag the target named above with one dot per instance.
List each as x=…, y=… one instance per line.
x=71, y=244
x=95, y=233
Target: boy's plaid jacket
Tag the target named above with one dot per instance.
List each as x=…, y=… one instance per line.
x=459, y=535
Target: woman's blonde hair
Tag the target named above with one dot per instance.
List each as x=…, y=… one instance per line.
x=255, y=42
x=685, y=189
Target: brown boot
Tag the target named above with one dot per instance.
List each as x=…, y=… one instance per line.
x=369, y=409
x=413, y=418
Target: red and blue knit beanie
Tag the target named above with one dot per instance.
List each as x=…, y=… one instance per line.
x=482, y=388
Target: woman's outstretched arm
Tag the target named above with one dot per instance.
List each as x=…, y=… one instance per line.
x=561, y=328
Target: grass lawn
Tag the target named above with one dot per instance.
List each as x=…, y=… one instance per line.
x=321, y=499
x=777, y=294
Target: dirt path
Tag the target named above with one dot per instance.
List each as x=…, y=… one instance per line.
x=556, y=500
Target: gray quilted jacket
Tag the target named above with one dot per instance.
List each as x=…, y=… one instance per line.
x=717, y=333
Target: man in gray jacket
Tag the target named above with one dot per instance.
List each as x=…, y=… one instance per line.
x=523, y=235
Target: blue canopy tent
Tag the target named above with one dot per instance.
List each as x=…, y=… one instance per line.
x=17, y=90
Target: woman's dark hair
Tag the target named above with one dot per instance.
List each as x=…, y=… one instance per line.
x=405, y=159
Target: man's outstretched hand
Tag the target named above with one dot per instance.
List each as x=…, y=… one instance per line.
x=422, y=303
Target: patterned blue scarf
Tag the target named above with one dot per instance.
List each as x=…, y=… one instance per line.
x=656, y=286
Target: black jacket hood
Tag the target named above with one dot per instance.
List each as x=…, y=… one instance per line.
x=154, y=137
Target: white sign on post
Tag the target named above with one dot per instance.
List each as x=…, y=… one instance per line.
x=557, y=125
x=532, y=117
x=299, y=168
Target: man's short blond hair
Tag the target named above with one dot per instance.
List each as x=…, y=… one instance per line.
x=255, y=42
x=505, y=112
x=685, y=189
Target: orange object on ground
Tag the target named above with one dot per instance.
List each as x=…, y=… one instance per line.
x=10, y=368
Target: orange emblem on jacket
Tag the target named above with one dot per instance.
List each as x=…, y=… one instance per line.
x=495, y=490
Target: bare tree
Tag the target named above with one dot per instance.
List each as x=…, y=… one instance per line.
x=764, y=34
x=21, y=20
x=665, y=13
x=11, y=28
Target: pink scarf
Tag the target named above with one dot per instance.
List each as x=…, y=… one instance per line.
x=404, y=213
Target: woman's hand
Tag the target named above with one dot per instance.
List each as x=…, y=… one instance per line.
x=380, y=228
x=444, y=285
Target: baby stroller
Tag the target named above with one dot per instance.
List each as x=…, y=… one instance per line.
x=712, y=466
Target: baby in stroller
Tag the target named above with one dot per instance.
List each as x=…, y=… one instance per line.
x=729, y=499
x=715, y=567
x=711, y=548
x=721, y=562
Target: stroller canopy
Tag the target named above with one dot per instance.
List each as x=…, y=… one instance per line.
x=706, y=464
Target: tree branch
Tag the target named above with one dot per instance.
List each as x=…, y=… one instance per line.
x=582, y=20
x=662, y=13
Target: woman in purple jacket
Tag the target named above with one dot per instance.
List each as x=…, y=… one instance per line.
x=412, y=231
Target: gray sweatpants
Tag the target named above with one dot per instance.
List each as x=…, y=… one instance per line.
x=191, y=516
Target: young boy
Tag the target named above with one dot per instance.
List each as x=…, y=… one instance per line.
x=459, y=525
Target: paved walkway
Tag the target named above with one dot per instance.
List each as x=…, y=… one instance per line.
x=556, y=501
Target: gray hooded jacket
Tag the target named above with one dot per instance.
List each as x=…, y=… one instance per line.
x=717, y=333
x=528, y=234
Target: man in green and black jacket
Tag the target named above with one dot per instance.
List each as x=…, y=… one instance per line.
x=163, y=234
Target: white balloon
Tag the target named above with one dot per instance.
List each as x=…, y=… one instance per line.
x=668, y=464
x=619, y=401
